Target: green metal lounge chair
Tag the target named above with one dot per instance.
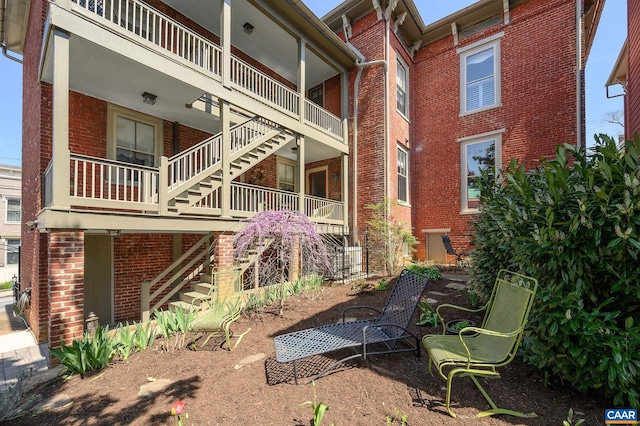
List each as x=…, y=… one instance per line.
x=478, y=351
x=216, y=318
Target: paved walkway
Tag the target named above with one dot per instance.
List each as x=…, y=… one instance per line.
x=20, y=355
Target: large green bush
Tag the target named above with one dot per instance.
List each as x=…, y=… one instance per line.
x=574, y=224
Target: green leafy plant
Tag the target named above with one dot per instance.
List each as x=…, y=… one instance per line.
x=319, y=409
x=461, y=324
x=474, y=298
x=574, y=224
x=383, y=285
x=399, y=416
x=388, y=237
x=86, y=354
x=432, y=272
x=143, y=336
x=428, y=315
x=569, y=421
x=123, y=341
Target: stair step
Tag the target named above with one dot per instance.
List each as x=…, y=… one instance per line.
x=194, y=297
x=184, y=305
x=204, y=288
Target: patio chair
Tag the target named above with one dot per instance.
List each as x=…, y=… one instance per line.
x=369, y=337
x=478, y=351
x=460, y=259
x=216, y=319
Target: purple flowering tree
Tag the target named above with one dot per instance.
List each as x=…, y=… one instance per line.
x=293, y=243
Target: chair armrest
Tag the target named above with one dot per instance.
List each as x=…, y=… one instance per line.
x=479, y=330
x=460, y=308
x=358, y=307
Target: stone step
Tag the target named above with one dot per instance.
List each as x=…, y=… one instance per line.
x=194, y=297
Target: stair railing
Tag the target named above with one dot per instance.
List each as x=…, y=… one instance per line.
x=177, y=277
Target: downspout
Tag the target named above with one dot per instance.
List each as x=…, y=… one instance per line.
x=3, y=12
x=579, y=141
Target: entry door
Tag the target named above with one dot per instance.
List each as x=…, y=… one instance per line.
x=318, y=183
x=98, y=277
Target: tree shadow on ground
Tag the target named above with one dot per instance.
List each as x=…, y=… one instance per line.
x=95, y=408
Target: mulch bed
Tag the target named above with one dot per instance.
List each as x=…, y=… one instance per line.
x=217, y=391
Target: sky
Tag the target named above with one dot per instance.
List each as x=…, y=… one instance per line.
x=604, y=52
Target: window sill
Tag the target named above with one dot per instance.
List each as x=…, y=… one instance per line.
x=487, y=108
x=469, y=211
x=403, y=203
x=401, y=114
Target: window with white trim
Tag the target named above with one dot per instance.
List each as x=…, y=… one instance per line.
x=402, y=87
x=134, y=137
x=480, y=76
x=13, y=210
x=477, y=155
x=13, y=251
x=403, y=175
x=286, y=175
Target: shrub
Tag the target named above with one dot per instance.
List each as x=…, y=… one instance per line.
x=88, y=353
x=574, y=224
x=431, y=272
x=388, y=237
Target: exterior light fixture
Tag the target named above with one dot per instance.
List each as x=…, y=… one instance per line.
x=248, y=28
x=149, y=98
x=335, y=177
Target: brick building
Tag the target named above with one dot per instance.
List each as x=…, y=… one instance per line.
x=626, y=71
x=10, y=219
x=151, y=129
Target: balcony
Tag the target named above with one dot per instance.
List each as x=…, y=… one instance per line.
x=145, y=26
x=110, y=186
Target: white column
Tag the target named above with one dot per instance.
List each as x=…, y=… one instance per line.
x=225, y=41
x=225, y=196
x=302, y=46
x=301, y=173
x=61, y=171
x=345, y=188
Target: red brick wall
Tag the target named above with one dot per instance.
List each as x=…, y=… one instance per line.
x=66, y=287
x=334, y=166
x=399, y=128
x=538, y=107
x=36, y=152
x=632, y=104
x=368, y=38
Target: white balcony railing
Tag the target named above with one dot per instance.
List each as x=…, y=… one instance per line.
x=113, y=183
x=250, y=79
x=159, y=29
x=108, y=184
x=322, y=118
x=190, y=163
x=143, y=21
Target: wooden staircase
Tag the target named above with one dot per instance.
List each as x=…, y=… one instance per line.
x=251, y=142
x=206, y=289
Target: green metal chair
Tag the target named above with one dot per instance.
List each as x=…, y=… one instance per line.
x=478, y=351
x=216, y=319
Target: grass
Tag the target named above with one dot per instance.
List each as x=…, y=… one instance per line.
x=6, y=285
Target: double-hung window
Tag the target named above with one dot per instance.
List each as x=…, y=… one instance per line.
x=13, y=210
x=403, y=175
x=286, y=175
x=402, y=87
x=480, y=75
x=481, y=153
x=13, y=251
x=133, y=137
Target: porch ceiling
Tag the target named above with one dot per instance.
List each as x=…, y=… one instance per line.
x=269, y=43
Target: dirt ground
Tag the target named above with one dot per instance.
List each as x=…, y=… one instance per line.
x=217, y=391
